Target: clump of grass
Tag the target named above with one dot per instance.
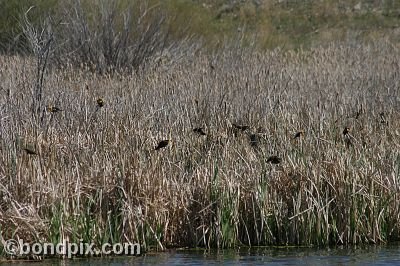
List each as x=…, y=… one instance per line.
x=97, y=177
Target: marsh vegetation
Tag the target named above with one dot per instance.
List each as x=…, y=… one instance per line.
x=269, y=147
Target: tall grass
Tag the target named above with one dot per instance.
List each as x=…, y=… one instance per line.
x=97, y=177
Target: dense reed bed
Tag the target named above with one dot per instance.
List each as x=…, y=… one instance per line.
x=96, y=174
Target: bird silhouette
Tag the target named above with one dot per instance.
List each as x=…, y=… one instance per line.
x=53, y=109
x=30, y=151
x=346, y=131
x=274, y=159
x=200, y=131
x=240, y=127
x=253, y=140
x=298, y=134
x=162, y=144
x=100, y=102
x=383, y=119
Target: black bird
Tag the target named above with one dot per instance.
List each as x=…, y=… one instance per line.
x=346, y=131
x=53, y=109
x=274, y=159
x=240, y=127
x=298, y=134
x=162, y=144
x=253, y=140
x=100, y=102
x=200, y=131
x=30, y=151
x=383, y=119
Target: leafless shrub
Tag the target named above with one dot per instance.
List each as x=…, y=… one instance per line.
x=108, y=38
x=40, y=40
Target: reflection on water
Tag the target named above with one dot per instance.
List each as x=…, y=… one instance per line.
x=368, y=255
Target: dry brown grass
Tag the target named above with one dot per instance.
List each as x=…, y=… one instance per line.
x=96, y=175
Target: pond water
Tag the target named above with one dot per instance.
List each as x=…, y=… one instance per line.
x=368, y=255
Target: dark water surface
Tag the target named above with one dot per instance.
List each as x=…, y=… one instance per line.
x=369, y=255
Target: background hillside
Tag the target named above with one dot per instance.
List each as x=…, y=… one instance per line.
x=265, y=23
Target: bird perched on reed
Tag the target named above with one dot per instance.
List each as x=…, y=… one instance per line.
x=383, y=119
x=240, y=127
x=347, y=137
x=253, y=140
x=100, y=102
x=274, y=159
x=200, y=131
x=299, y=134
x=212, y=66
x=30, y=150
x=346, y=131
x=53, y=109
x=162, y=144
